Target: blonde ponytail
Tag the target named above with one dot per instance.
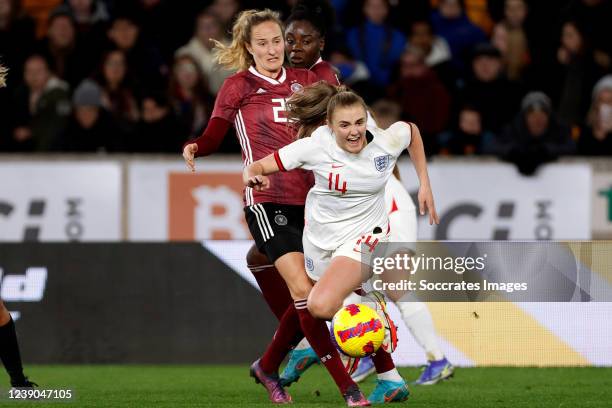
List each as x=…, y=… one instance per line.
x=236, y=56
x=3, y=72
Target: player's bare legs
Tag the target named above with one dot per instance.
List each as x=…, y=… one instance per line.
x=297, y=322
x=340, y=279
x=9, y=350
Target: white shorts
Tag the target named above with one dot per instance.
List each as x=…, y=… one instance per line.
x=360, y=249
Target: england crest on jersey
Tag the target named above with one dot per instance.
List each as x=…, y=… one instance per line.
x=382, y=162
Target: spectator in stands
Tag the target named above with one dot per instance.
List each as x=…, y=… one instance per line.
x=189, y=95
x=91, y=18
x=354, y=73
x=477, y=11
x=39, y=10
x=376, y=43
x=578, y=74
x=422, y=96
x=489, y=91
x=90, y=128
x=41, y=108
x=208, y=27
x=159, y=130
x=386, y=112
x=451, y=23
x=225, y=10
x=144, y=60
x=118, y=96
x=16, y=35
x=594, y=16
x=515, y=13
x=596, y=139
x=69, y=60
x=467, y=136
x=436, y=49
x=510, y=38
x=153, y=14
x=535, y=137
x=5, y=106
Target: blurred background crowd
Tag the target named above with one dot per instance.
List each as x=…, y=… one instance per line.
x=525, y=80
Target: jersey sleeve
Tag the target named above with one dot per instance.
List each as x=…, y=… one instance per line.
x=299, y=154
x=228, y=100
x=398, y=137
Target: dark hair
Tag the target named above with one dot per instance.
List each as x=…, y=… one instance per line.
x=319, y=13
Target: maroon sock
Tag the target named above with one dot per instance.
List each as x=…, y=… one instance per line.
x=382, y=361
x=273, y=288
x=287, y=336
x=318, y=336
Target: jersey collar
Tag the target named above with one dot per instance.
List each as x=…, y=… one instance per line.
x=313, y=65
x=273, y=81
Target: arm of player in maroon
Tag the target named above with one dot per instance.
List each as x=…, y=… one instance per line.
x=211, y=138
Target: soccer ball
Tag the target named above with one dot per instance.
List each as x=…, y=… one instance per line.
x=357, y=330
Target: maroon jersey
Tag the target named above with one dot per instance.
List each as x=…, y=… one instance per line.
x=326, y=72
x=255, y=104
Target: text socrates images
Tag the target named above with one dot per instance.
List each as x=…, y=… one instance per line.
x=537, y=271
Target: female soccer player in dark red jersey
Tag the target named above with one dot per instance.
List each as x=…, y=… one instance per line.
x=9, y=348
x=253, y=100
x=305, y=31
x=304, y=41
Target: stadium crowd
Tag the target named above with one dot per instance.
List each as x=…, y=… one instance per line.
x=527, y=81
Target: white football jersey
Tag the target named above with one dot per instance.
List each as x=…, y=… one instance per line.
x=402, y=212
x=347, y=199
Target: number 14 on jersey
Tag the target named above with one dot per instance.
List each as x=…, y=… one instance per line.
x=336, y=177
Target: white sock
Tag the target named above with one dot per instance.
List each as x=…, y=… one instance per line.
x=302, y=345
x=419, y=322
x=391, y=375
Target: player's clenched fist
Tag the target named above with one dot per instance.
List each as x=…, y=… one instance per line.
x=258, y=182
x=189, y=152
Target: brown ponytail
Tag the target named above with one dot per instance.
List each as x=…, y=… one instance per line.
x=309, y=109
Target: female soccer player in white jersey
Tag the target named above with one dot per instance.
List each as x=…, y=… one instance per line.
x=345, y=210
x=253, y=100
x=9, y=348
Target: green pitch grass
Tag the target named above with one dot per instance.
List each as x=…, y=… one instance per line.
x=230, y=386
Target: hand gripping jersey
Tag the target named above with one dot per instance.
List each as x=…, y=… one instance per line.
x=347, y=199
x=255, y=104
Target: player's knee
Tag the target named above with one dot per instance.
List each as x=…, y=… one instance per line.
x=322, y=308
x=300, y=291
x=256, y=258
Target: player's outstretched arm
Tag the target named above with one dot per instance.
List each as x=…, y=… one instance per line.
x=417, y=155
x=207, y=143
x=254, y=175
